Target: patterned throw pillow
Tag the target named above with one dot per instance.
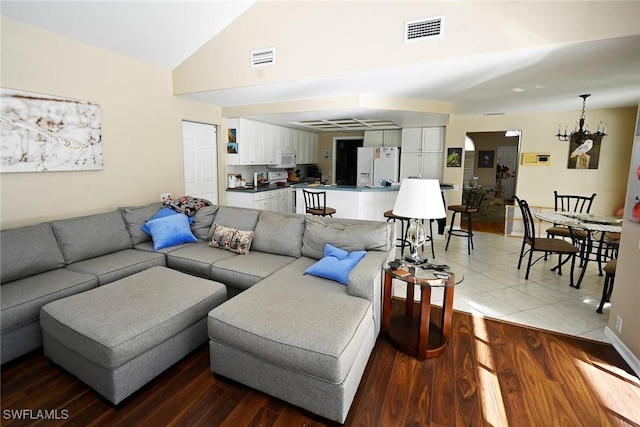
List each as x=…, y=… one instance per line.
x=238, y=241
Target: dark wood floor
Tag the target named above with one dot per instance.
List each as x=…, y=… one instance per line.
x=491, y=374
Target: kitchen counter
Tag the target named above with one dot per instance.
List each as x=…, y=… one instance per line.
x=368, y=203
x=259, y=189
x=345, y=188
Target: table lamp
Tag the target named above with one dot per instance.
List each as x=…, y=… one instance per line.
x=419, y=199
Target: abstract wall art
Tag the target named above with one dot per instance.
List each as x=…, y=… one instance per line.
x=40, y=133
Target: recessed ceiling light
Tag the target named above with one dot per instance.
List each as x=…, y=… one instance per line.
x=518, y=89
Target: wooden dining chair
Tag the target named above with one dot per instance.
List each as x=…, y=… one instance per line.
x=315, y=203
x=542, y=244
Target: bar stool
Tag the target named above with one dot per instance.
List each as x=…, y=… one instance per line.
x=610, y=275
x=315, y=203
x=404, y=225
x=470, y=206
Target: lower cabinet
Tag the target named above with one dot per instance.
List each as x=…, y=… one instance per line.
x=272, y=200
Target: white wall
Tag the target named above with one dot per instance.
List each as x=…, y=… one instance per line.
x=626, y=290
x=536, y=183
x=141, y=127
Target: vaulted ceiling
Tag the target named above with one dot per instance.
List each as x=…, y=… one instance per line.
x=166, y=33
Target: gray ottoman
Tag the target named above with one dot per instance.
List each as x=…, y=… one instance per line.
x=118, y=337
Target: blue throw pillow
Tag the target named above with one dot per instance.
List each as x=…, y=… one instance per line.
x=336, y=264
x=170, y=230
x=161, y=214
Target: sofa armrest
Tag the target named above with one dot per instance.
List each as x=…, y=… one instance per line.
x=362, y=281
x=365, y=281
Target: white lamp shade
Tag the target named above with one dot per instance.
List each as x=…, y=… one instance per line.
x=420, y=199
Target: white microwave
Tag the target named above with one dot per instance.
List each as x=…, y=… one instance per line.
x=285, y=159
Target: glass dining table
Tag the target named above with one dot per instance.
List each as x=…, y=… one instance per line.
x=591, y=224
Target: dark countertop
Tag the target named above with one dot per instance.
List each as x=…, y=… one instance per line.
x=346, y=188
x=270, y=187
x=259, y=189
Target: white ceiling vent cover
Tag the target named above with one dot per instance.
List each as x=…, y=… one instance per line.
x=262, y=57
x=422, y=29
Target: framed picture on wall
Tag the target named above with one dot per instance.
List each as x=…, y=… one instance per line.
x=454, y=157
x=485, y=159
x=42, y=133
x=232, y=142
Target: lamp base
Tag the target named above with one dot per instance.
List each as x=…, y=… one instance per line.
x=415, y=259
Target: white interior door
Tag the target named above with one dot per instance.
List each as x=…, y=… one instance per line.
x=508, y=156
x=200, y=160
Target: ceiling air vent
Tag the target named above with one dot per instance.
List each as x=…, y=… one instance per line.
x=423, y=29
x=263, y=57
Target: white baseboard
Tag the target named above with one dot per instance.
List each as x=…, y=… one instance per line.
x=623, y=350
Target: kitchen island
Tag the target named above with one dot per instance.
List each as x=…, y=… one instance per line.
x=352, y=202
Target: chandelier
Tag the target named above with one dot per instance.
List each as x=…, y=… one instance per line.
x=582, y=134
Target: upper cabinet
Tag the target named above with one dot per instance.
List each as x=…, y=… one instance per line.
x=250, y=142
x=382, y=138
x=422, y=152
x=423, y=139
x=306, y=147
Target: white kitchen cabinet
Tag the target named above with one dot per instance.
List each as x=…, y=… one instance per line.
x=278, y=200
x=258, y=143
x=266, y=144
x=422, y=152
x=392, y=138
x=307, y=147
x=247, y=135
x=424, y=165
x=411, y=140
x=373, y=138
x=241, y=199
x=382, y=138
x=423, y=139
x=284, y=138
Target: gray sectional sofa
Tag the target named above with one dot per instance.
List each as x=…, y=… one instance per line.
x=301, y=338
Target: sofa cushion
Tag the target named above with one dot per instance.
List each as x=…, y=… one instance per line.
x=279, y=234
x=170, y=230
x=350, y=235
x=239, y=218
x=313, y=327
x=336, y=264
x=242, y=272
x=114, y=266
x=196, y=258
x=203, y=220
x=148, y=247
x=22, y=299
x=231, y=239
x=91, y=236
x=135, y=217
x=161, y=214
x=27, y=251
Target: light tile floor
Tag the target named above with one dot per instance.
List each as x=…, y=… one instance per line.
x=494, y=287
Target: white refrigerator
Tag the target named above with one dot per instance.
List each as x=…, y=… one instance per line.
x=377, y=163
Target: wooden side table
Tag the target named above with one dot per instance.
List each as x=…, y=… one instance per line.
x=418, y=335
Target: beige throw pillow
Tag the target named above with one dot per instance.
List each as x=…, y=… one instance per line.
x=234, y=240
